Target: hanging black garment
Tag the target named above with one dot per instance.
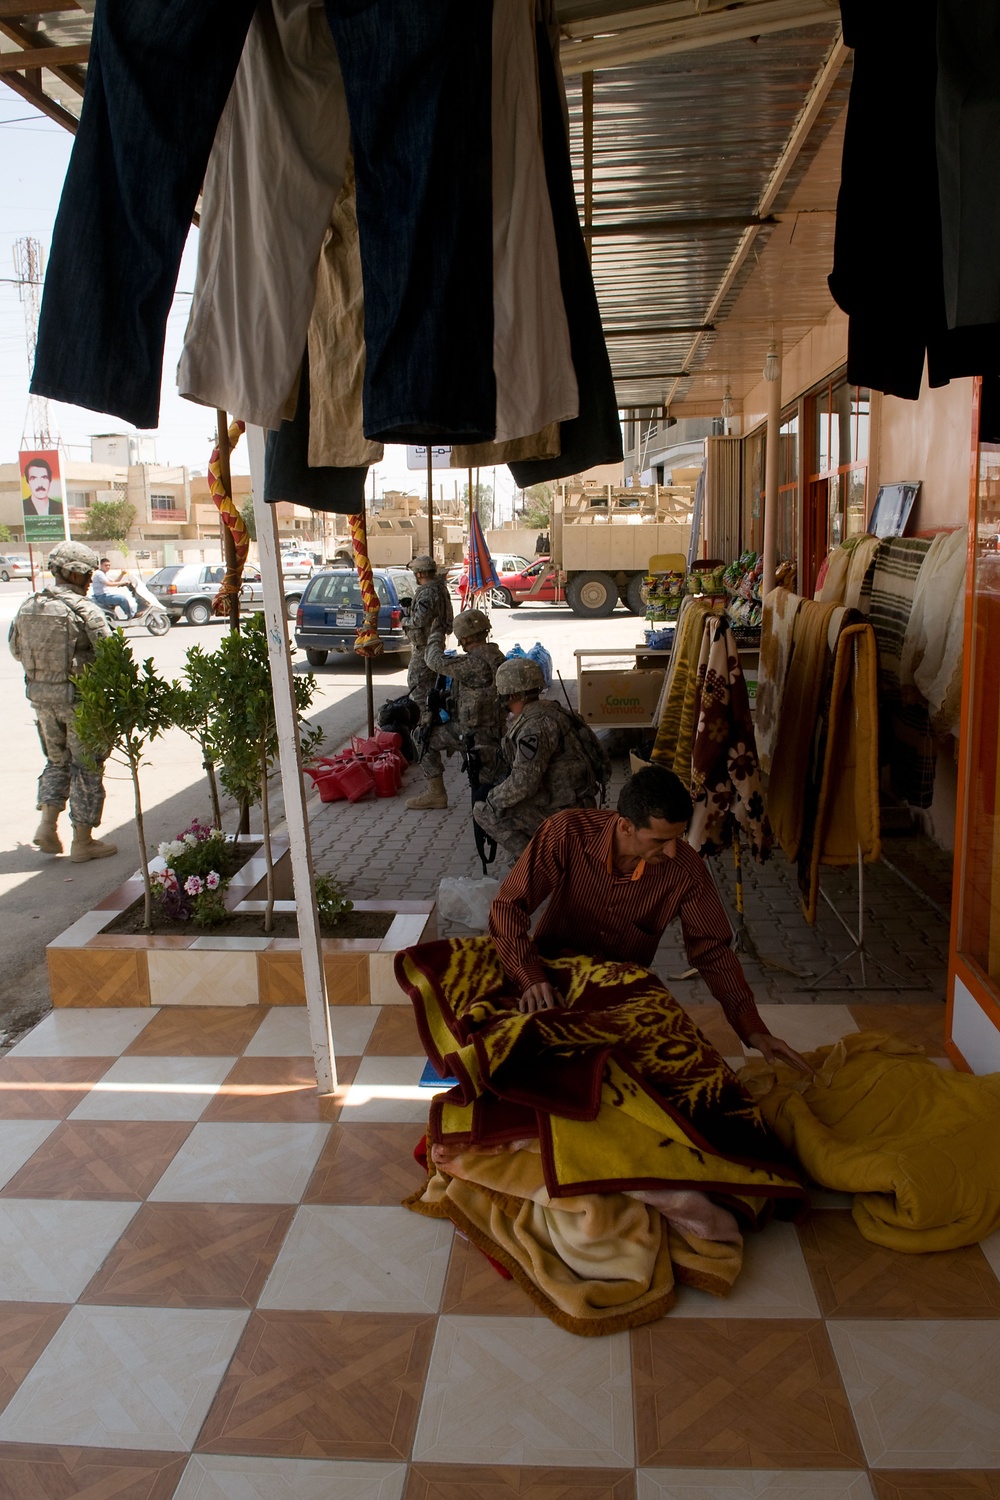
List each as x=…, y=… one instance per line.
x=595, y=435
x=287, y=475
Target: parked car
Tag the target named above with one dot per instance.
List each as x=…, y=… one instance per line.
x=297, y=564
x=507, y=564
x=519, y=585
x=332, y=609
x=186, y=591
x=14, y=567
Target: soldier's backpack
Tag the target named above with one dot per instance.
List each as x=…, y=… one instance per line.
x=48, y=633
x=590, y=747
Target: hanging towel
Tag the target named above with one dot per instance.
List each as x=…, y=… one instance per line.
x=931, y=664
x=841, y=801
x=780, y=609
x=792, y=761
x=725, y=776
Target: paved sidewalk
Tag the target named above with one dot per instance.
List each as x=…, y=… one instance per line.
x=377, y=848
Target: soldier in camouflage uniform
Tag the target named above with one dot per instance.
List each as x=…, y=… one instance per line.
x=53, y=636
x=548, y=767
x=475, y=726
x=431, y=608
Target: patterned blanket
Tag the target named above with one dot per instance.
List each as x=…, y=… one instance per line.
x=725, y=776
x=566, y=1125
x=780, y=610
x=675, y=731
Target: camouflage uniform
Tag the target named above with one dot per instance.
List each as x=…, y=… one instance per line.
x=548, y=772
x=431, y=608
x=53, y=636
x=477, y=706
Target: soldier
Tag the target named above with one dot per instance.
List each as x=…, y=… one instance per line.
x=476, y=726
x=431, y=606
x=549, y=765
x=53, y=636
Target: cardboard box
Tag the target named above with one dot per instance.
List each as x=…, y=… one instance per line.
x=628, y=698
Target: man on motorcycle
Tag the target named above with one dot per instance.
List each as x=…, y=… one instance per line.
x=106, y=595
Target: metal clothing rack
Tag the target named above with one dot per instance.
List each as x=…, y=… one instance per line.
x=860, y=951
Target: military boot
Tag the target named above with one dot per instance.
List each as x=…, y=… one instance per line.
x=47, y=838
x=434, y=795
x=85, y=846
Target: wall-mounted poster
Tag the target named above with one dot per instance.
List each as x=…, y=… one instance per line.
x=42, y=496
x=892, y=508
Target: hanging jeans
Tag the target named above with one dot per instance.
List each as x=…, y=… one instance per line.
x=595, y=436
x=275, y=170
x=418, y=84
x=157, y=81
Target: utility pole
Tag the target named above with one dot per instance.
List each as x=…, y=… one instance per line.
x=29, y=266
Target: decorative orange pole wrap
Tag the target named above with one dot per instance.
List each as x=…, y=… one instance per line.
x=234, y=522
x=366, y=640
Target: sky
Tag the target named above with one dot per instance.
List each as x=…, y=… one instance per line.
x=34, y=154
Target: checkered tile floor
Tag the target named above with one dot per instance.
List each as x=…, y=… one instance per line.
x=211, y=1293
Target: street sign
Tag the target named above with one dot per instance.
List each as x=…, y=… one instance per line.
x=416, y=458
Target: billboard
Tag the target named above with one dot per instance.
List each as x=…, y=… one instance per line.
x=42, y=496
x=416, y=457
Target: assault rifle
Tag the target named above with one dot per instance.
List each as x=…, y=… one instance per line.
x=472, y=765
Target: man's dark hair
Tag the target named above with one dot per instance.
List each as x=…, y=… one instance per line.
x=655, y=792
x=38, y=463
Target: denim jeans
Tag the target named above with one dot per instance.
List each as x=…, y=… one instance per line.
x=119, y=597
x=418, y=84
x=287, y=473
x=157, y=81
x=595, y=436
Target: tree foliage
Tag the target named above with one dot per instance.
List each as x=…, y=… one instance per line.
x=535, y=509
x=109, y=521
x=6, y=535
x=484, y=501
x=249, y=519
x=195, y=708
x=121, y=707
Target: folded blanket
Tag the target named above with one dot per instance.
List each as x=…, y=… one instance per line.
x=780, y=610
x=560, y=1116
x=725, y=777
x=842, y=794
x=916, y=1145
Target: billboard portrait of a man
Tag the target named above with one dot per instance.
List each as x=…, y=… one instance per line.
x=41, y=496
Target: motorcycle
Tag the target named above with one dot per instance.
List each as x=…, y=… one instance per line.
x=149, y=612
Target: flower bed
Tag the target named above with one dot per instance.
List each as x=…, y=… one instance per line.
x=88, y=966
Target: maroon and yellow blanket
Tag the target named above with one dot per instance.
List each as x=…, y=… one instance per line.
x=562, y=1119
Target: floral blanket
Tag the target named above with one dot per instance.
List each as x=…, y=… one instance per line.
x=565, y=1126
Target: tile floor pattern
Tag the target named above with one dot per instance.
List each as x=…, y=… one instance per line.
x=210, y=1292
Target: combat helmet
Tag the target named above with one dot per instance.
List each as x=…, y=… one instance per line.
x=520, y=675
x=422, y=564
x=471, y=625
x=73, y=557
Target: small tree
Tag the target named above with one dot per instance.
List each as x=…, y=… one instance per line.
x=196, y=703
x=245, y=731
x=249, y=519
x=536, y=506
x=121, y=707
x=6, y=535
x=483, y=496
x=109, y=521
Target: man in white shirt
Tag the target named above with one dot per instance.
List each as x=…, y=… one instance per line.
x=107, y=597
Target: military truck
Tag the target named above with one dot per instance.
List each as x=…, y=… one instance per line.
x=603, y=537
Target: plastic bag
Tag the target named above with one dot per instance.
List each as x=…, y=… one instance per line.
x=463, y=905
x=536, y=653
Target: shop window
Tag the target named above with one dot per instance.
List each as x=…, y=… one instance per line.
x=754, y=474
x=836, y=464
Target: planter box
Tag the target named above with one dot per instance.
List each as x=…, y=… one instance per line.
x=90, y=967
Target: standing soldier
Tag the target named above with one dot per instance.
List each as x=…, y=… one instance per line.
x=53, y=636
x=475, y=727
x=431, y=607
x=554, y=758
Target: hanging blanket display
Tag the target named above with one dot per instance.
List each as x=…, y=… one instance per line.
x=907, y=740
x=844, y=571
x=930, y=667
x=675, y=731
x=822, y=791
x=724, y=774
x=777, y=626
x=916, y=1145
x=568, y=1129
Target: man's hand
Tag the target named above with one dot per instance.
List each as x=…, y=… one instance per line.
x=540, y=996
x=773, y=1049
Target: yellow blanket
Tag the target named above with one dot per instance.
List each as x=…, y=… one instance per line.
x=563, y=1119
x=675, y=732
x=917, y=1146
x=793, y=751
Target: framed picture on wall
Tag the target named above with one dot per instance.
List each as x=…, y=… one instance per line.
x=892, y=508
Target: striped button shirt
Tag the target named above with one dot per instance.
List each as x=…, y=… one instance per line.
x=595, y=910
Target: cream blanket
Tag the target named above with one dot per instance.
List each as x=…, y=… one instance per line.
x=931, y=661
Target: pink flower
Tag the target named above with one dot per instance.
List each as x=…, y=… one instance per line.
x=193, y=885
x=212, y=880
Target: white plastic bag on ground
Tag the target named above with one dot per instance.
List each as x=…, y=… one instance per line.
x=463, y=905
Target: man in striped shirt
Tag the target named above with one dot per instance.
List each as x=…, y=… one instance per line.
x=614, y=881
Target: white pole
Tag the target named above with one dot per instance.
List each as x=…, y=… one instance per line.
x=772, y=456
x=290, y=761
